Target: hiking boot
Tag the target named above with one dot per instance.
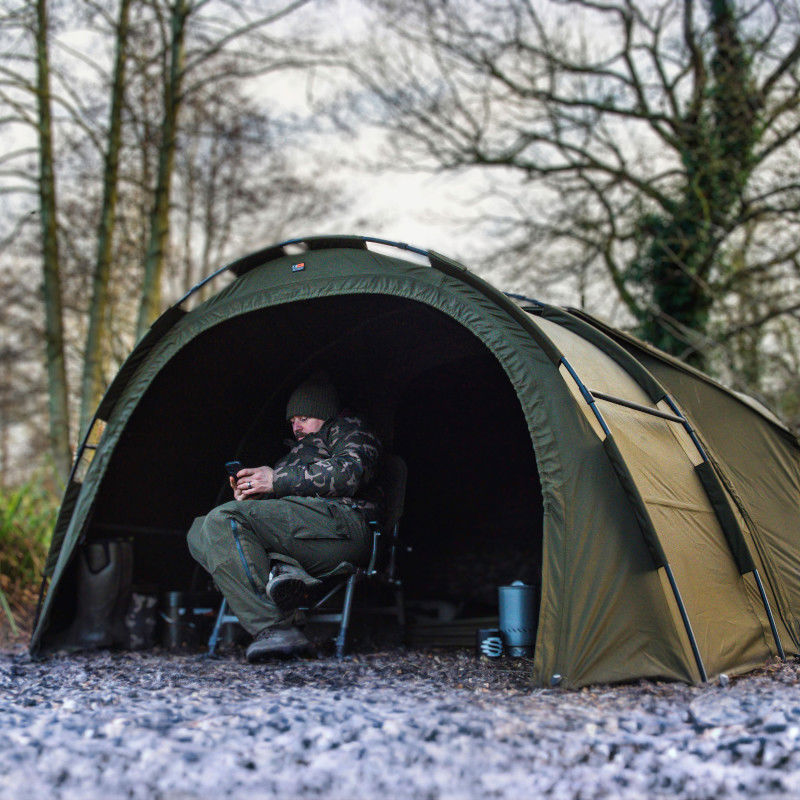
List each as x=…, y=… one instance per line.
x=289, y=586
x=277, y=643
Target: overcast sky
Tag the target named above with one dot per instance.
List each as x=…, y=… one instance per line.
x=420, y=209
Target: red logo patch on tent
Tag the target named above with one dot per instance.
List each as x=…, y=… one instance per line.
x=298, y=267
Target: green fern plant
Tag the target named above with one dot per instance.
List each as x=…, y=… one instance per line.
x=27, y=517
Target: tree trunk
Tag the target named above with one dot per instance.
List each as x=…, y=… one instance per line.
x=97, y=338
x=150, y=304
x=51, y=287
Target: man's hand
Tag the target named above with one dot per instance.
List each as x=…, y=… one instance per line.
x=252, y=482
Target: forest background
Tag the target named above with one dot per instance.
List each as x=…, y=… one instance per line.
x=634, y=158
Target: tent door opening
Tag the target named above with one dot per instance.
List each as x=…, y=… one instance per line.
x=433, y=391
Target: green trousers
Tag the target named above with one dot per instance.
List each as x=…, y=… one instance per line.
x=237, y=543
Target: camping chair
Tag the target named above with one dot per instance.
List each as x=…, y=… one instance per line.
x=382, y=568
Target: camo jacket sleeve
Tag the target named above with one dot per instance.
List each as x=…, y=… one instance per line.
x=339, y=461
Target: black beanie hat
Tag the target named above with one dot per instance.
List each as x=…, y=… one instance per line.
x=316, y=397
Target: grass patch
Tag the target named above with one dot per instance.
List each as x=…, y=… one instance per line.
x=27, y=516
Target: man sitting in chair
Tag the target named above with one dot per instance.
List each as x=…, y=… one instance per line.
x=292, y=525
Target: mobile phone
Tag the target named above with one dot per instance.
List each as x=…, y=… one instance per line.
x=232, y=467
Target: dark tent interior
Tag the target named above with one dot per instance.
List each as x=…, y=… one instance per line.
x=430, y=388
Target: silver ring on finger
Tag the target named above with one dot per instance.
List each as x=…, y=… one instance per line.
x=250, y=485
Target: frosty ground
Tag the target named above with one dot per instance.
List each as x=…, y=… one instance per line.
x=391, y=724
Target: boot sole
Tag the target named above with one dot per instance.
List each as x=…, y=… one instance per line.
x=288, y=592
x=277, y=652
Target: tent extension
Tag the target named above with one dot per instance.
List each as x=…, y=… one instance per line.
x=660, y=509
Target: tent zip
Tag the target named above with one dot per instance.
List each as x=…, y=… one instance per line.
x=678, y=416
x=238, y=541
x=642, y=514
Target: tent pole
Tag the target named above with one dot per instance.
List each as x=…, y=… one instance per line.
x=686, y=623
x=588, y=397
x=654, y=412
x=764, y=600
x=767, y=608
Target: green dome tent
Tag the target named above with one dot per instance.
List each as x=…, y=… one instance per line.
x=658, y=509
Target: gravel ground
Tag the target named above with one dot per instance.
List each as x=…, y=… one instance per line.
x=394, y=724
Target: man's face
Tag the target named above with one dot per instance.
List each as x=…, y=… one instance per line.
x=302, y=426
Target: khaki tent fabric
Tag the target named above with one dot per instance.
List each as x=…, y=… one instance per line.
x=759, y=463
x=730, y=633
x=618, y=500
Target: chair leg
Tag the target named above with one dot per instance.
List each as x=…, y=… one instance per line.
x=341, y=639
x=212, y=640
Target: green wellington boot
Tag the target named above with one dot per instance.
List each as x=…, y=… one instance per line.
x=105, y=570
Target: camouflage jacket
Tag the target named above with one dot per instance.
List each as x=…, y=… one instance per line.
x=340, y=461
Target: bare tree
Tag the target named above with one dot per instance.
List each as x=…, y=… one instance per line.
x=51, y=287
x=222, y=40
x=652, y=143
x=21, y=399
x=233, y=172
x=94, y=354
x=148, y=145
x=150, y=304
